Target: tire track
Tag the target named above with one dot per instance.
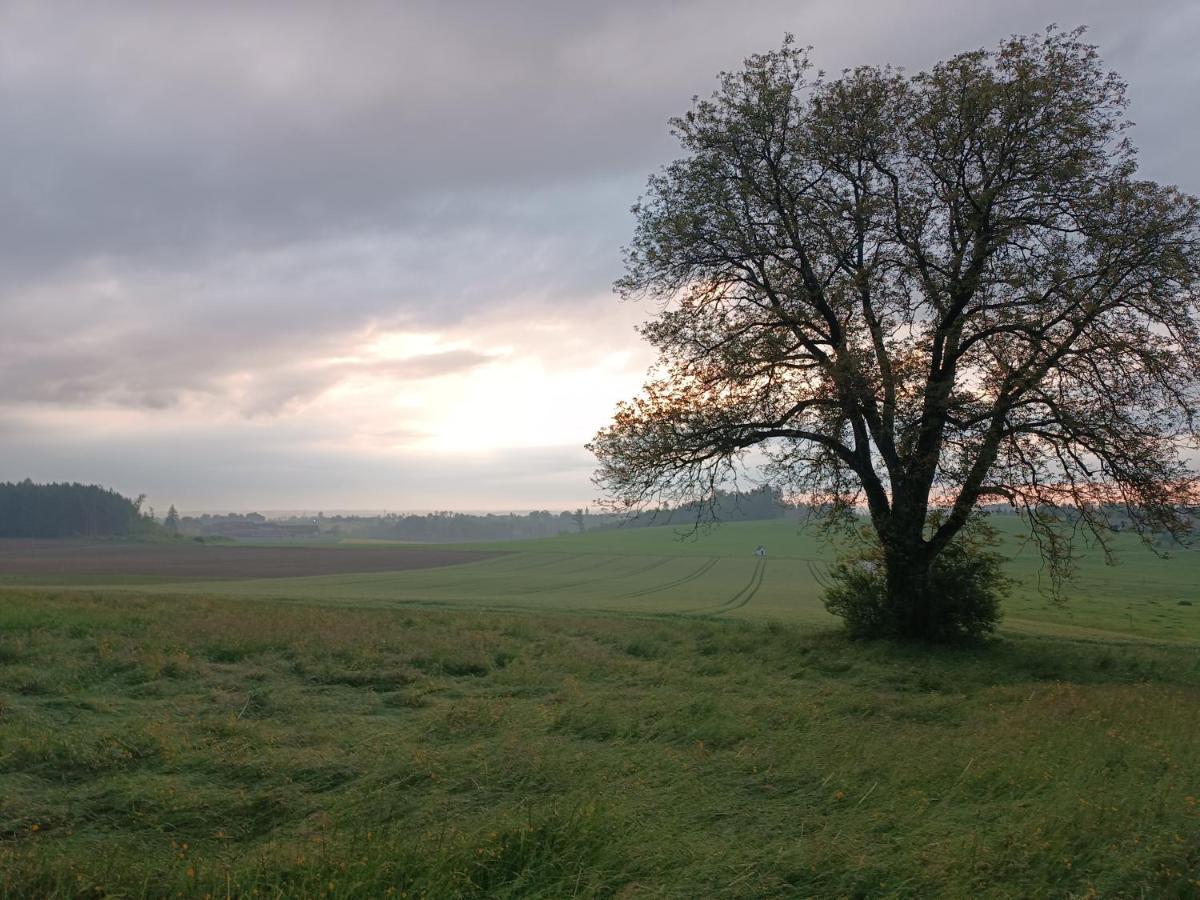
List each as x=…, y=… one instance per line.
x=738, y=600
x=581, y=562
x=747, y=593
x=599, y=562
x=677, y=582
x=598, y=578
x=475, y=576
x=498, y=578
x=602, y=562
x=647, y=568
x=657, y=563
x=819, y=570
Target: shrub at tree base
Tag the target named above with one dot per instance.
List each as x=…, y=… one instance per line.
x=958, y=601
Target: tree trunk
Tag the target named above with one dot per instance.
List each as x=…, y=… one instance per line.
x=907, y=560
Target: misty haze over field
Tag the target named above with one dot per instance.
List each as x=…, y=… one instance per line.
x=316, y=255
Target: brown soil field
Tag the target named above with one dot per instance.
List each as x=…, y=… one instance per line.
x=187, y=561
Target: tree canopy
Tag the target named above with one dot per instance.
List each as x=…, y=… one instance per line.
x=915, y=294
x=68, y=510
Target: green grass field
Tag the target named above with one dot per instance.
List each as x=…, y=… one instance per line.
x=652, y=571
x=616, y=714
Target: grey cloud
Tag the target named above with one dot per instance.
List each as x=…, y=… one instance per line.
x=137, y=376
x=274, y=392
x=285, y=466
x=114, y=332
x=172, y=132
x=152, y=129
x=197, y=191
x=174, y=129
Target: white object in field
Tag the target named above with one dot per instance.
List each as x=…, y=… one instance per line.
x=760, y=551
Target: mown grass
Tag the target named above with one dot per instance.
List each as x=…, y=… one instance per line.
x=1156, y=599
x=651, y=571
x=182, y=746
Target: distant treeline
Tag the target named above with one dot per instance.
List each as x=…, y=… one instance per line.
x=726, y=506
x=68, y=510
x=442, y=527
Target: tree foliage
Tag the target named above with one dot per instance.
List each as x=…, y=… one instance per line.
x=965, y=585
x=68, y=510
x=918, y=292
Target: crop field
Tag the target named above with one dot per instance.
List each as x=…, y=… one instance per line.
x=616, y=714
x=651, y=571
x=49, y=560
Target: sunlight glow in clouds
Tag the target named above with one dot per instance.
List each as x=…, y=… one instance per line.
x=504, y=397
x=262, y=255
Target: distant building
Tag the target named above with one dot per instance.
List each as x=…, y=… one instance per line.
x=263, y=530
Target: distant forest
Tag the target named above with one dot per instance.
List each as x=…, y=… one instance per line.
x=69, y=510
x=762, y=503
x=29, y=510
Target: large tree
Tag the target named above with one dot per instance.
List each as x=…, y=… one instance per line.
x=914, y=295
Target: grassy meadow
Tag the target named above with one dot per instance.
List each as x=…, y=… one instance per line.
x=664, y=571
x=606, y=715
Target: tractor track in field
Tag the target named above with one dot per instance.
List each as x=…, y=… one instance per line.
x=738, y=600
x=691, y=576
x=375, y=577
x=603, y=561
x=556, y=559
x=746, y=594
x=474, y=577
x=658, y=563
x=518, y=572
x=600, y=562
x=574, y=584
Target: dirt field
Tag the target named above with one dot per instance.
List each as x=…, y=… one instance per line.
x=188, y=561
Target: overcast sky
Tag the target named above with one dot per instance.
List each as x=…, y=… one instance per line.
x=358, y=256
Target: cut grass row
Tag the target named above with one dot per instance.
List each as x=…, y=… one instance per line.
x=785, y=590
x=162, y=746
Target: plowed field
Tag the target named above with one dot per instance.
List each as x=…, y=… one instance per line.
x=75, y=558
